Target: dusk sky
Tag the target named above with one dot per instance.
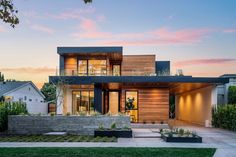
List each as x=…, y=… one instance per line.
x=198, y=36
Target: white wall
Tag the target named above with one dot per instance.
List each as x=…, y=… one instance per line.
x=34, y=101
x=195, y=106
x=64, y=100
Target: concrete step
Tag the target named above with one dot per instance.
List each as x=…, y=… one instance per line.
x=146, y=133
x=150, y=126
x=55, y=133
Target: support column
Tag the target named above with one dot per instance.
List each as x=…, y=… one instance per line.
x=98, y=97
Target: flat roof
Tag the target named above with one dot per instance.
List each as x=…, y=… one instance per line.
x=79, y=50
x=78, y=80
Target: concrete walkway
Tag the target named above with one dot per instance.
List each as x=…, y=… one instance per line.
x=224, y=141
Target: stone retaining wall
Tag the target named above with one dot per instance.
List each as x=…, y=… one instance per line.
x=81, y=125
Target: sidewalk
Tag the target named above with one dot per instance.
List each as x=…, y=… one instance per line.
x=224, y=141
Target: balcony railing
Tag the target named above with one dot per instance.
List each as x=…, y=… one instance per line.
x=126, y=73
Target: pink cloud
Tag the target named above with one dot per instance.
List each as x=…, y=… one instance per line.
x=193, y=62
x=232, y=30
x=30, y=70
x=74, y=14
x=158, y=36
x=42, y=28
x=88, y=29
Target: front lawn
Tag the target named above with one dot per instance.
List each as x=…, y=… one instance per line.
x=54, y=138
x=107, y=152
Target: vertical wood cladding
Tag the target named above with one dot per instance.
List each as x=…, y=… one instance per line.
x=153, y=104
x=138, y=65
x=71, y=65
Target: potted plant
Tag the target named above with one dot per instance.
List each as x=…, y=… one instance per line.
x=180, y=135
x=129, y=103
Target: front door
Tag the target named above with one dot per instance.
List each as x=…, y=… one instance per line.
x=113, y=102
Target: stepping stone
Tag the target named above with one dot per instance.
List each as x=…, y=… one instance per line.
x=145, y=133
x=55, y=133
x=155, y=130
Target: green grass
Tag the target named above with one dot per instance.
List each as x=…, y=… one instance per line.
x=107, y=152
x=52, y=138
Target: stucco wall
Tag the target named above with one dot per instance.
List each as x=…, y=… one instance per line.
x=81, y=125
x=195, y=106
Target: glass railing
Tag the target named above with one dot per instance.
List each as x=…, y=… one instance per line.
x=106, y=73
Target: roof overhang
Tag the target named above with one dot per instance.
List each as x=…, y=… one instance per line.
x=113, y=52
x=176, y=84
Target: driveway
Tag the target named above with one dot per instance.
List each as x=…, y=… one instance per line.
x=223, y=140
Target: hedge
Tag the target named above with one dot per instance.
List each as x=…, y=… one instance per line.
x=224, y=117
x=10, y=108
x=232, y=95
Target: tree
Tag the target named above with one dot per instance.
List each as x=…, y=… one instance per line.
x=232, y=95
x=2, y=79
x=49, y=91
x=8, y=12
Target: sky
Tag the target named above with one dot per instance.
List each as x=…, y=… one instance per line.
x=197, y=36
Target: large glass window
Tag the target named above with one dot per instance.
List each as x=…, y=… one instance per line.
x=82, y=68
x=116, y=70
x=83, y=101
x=131, y=105
x=97, y=67
x=92, y=68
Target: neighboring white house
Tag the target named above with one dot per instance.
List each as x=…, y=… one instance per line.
x=24, y=91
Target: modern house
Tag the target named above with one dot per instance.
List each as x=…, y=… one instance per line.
x=24, y=91
x=105, y=80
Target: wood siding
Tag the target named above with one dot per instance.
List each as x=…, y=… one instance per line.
x=153, y=104
x=70, y=66
x=133, y=65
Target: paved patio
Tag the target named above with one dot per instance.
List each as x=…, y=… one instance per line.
x=224, y=141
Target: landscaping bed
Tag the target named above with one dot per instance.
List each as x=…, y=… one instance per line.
x=180, y=135
x=107, y=152
x=113, y=133
x=54, y=138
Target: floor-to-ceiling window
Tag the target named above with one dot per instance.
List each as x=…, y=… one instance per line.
x=97, y=67
x=92, y=67
x=116, y=70
x=131, y=104
x=83, y=101
x=82, y=67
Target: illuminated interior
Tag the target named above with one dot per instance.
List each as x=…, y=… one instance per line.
x=92, y=68
x=82, y=68
x=132, y=111
x=116, y=70
x=97, y=68
x=83, y=101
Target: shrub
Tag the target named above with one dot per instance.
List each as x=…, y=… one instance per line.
x=232, y=95
x=52, y=113
x=95, y=113
x=68, y=114
x=224, y=117
x=10, y=108
x=113, y=126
